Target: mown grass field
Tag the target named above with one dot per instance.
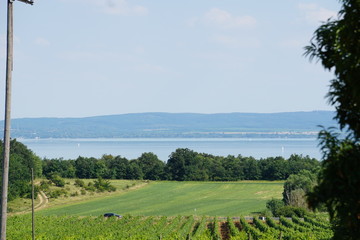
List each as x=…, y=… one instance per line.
x=179, y=198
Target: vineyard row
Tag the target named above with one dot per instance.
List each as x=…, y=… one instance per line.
x=180, y=227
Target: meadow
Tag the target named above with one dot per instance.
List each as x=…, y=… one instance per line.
x=178, y=198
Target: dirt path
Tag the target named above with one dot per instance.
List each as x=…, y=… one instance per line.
x=224, y=231
x=43, y=201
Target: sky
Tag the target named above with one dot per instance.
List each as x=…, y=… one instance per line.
x=81, y=58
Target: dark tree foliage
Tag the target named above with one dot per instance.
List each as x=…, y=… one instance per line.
x=57, y=180
x=183, y=165
x=233, y=168
x=274, y=168
x=64, y=168
x=297, y=186
x=151, y=166
x=133, y=171
x=178, y=164
x=85, y=167
x=274, y=206
x=21, y=161
x=336, y=44
x=298, y=163
x=251, y=168
x=117, y=167
x=339, y=186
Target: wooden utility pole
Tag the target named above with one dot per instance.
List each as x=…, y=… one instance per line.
x=6, y=148
x=9, y=66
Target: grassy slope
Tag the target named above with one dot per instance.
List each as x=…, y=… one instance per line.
x=180, y=198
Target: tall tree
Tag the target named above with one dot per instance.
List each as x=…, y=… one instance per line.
x=179, y=162
x=85, y=167
x=336, y=44
x=297, y=186
x=22, y=160
x=151, y=166
x=274, y=168
x=251, y=168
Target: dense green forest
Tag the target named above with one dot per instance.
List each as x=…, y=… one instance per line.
x=182, y=165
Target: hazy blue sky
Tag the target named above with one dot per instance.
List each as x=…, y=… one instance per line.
x=76, y=58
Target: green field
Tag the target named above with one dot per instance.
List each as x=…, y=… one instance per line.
x=180, y=198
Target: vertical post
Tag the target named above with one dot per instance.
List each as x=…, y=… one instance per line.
x=5, y=173
x=32, y=204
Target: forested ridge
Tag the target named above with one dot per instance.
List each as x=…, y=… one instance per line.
x=289, y=124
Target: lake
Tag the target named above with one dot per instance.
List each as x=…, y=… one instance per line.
x=132, y=148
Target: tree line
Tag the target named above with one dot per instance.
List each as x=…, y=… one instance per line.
x=183, y=165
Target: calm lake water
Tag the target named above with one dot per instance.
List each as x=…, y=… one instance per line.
x=163, y=147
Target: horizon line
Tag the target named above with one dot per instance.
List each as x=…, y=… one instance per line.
x=155, y=112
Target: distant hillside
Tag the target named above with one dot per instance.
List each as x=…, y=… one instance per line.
x=290, y=124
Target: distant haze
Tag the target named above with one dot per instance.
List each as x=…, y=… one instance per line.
x=160, y=125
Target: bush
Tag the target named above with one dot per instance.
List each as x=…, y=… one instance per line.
x=111, y=188
x=274, y=205
x=28, y=193
x=57, y=193
x=104, y=185
x=90, y=187
x=289, y=211
x=74, y=194
x=79, y=183
x=278, y=208
x=57, y=180
x=45, y=185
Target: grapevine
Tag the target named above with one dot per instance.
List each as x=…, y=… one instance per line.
x=166, y=228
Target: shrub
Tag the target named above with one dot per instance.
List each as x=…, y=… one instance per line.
x=103, y=185
x=57, y=193
x=74, y=194
x=274, y=205
x=57, y=180
x=79, y=183
x=45, y=185
x=90, y=187
x=289, y=211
